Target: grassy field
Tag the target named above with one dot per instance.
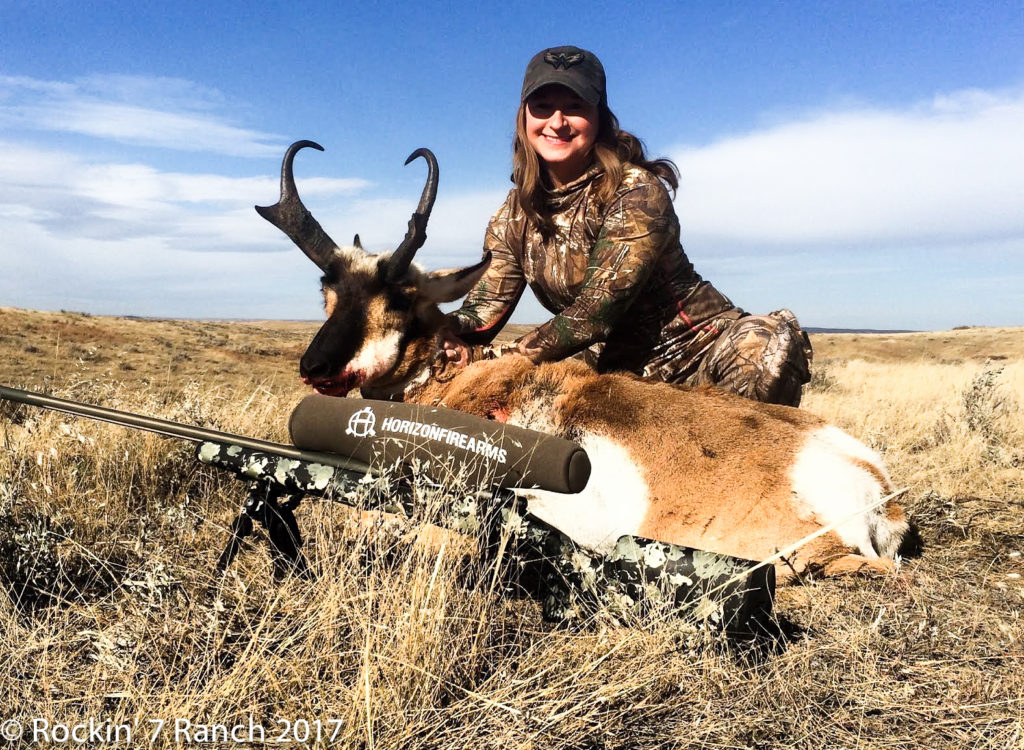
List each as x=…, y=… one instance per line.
x=110, y=611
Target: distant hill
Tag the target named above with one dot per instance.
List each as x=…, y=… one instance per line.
x=859, y=330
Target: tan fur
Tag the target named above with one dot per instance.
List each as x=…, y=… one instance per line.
x=717, y=465
x=895, y=512
x=379, y=319
x=871, y=469
x=406, y=367
x=330, y=301
x=860, y=565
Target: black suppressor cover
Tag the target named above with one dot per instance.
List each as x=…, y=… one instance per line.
x=473, y=449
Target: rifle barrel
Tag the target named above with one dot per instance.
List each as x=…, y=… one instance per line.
x=168, y=428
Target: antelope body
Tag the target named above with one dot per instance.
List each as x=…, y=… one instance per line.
x=695, y=467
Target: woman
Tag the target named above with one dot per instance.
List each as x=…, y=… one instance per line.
x=590, y=227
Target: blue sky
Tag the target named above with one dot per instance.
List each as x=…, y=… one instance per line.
x=861, y=163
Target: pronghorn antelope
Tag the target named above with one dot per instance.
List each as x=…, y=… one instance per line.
x=692, y=466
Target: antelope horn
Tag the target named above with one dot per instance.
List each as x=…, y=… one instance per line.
x=416, y=235
x=293, y=218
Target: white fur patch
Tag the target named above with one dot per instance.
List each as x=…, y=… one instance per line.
x=831, y=486
x=376, y=356
x=388, y=392
x=851, y=446
x=614, y=502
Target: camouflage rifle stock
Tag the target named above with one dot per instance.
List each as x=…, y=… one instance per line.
x=639, y=574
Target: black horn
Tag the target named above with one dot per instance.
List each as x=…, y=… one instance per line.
x=293, y=218
x=399, y=262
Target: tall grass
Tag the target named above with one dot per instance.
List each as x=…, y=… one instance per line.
x=110, y=609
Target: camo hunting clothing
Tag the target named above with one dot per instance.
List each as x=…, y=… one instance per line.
x=623, y=292
x=763, y=357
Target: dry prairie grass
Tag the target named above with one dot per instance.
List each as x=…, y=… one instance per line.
x=108, y=537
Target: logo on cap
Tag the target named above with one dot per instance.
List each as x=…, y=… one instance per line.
x=562, y=60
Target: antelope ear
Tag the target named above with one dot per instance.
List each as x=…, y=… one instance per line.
x=356, y=242
x=451, y=284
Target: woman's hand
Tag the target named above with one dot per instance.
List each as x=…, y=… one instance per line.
x=455, y=350
x=528, y=348
x=459, y=353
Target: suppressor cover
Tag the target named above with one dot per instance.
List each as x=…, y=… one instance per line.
x=480, y=450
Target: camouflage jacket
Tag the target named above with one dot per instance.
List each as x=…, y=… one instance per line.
x=615, y=276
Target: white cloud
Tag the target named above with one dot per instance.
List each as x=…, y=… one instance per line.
x=123, y=237
x=163, y=112
x=160, y=92
x=950, y=170
x=76, y=200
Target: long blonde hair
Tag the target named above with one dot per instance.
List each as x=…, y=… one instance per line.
x=613, y=149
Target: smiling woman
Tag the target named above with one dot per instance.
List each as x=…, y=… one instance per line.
x=561, y=128
x=590, y=227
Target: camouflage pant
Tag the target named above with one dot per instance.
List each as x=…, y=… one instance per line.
x=763, y=357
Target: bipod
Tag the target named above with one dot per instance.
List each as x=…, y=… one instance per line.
x=273, y=507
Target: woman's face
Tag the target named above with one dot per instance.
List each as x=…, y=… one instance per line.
x=562, y=129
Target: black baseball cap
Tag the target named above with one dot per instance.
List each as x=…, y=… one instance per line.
x=572, y=67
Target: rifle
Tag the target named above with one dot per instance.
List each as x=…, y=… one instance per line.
x=350, y=466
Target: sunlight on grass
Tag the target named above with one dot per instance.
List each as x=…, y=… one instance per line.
x=110, y=610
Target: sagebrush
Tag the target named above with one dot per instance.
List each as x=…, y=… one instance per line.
x=110, y=609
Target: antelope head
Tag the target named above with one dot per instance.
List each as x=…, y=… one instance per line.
x=382, y=310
